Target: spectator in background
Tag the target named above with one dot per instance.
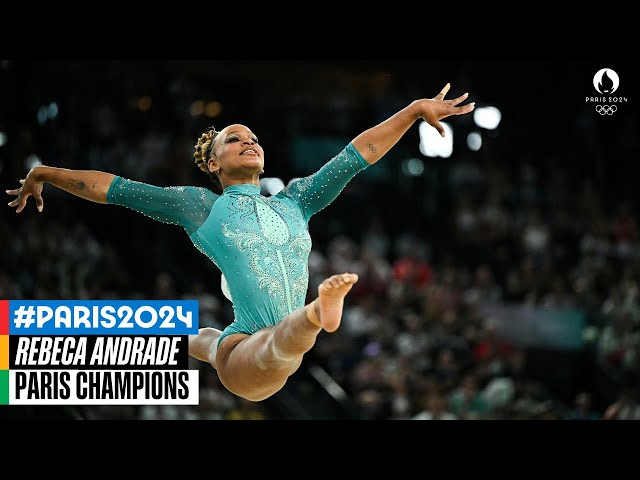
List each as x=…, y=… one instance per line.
x=435, y=408
x=467, y=402
x=411, y=269
x=583, y=409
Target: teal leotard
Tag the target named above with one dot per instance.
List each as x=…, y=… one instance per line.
x=260, y=244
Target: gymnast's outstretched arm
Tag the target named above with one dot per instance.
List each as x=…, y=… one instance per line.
x=88, y=184
x=317, y=191
x=374, y=143
x=184, y=206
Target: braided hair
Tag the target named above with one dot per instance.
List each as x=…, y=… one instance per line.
x=203, y=151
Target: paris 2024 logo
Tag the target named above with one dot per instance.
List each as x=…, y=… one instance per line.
x=606, y=82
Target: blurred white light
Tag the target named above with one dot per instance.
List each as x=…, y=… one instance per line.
x=432, y=144
x=474, y=141
x=53, y=110
x=32, y=161
x=3, y=139
x=413, y=167
x=43, y=114
x=271, y=185
x=487, y=117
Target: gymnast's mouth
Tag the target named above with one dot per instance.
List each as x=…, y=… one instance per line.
x=249, y=151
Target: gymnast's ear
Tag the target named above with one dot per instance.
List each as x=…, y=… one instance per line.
x=213, y=166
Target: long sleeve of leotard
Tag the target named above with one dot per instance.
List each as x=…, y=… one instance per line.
x=315, y=192
x=188, y=207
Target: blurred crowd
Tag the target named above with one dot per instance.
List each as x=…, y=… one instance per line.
x=498, y=227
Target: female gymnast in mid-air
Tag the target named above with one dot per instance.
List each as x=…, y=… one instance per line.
x=260, y=244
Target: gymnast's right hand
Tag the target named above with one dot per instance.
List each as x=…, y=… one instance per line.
x=32, y=185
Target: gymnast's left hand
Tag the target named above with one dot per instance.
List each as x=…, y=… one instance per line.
x=432, y=110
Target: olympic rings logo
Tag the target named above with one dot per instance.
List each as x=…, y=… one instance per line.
x=606, y=109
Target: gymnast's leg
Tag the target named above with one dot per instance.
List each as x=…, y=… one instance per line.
x=257, y=366
x=204, y=345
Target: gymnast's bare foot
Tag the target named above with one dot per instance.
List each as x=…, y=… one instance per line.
x=328, y=306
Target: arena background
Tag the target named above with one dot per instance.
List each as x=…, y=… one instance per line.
x=496, y=283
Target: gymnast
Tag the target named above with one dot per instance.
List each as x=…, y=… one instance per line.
x=260, y=244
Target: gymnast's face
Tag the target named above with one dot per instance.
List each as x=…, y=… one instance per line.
x=236, y=153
